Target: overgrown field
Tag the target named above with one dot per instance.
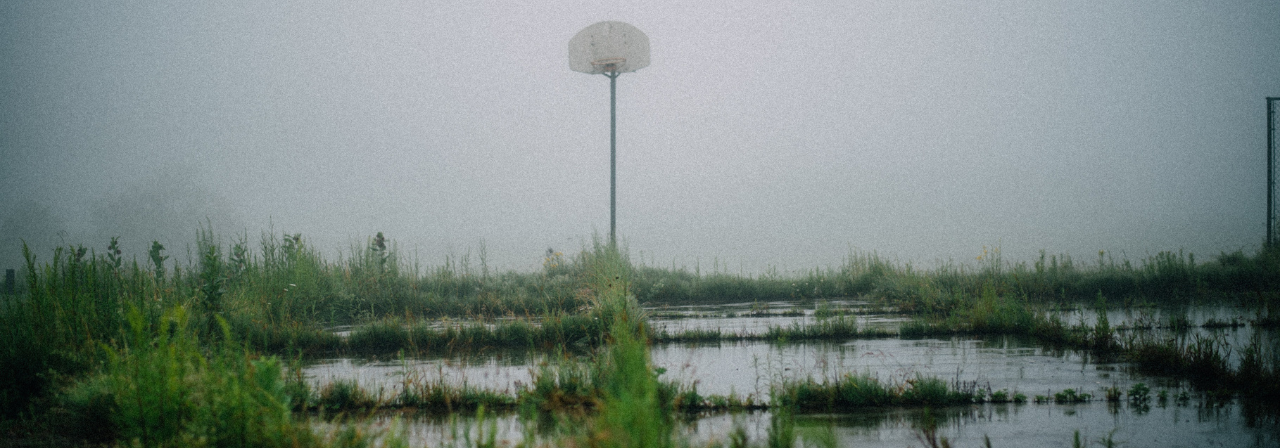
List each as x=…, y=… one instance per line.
x=100, y=348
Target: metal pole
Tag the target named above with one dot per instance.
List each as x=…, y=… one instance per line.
x=1271, y=169
x=613, y=159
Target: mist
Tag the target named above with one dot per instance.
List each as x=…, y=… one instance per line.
x=764, y=135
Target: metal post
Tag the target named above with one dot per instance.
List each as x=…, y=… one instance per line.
x=613, y=159
x=1271, y=169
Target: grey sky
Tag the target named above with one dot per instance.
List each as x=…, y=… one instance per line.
x=762, y=134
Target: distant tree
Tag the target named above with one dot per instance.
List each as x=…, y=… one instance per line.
x=169, y=208
x=32, y=222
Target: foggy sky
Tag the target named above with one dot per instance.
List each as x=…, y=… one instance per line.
x=763, y=134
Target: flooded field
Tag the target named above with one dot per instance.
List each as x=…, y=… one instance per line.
x=1173, y=415
x=295, y=351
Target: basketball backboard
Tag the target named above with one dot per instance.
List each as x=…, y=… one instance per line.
x=609, y=47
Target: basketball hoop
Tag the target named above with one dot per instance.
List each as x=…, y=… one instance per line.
x=609, y=65
x=608, y=47
x=611, y=49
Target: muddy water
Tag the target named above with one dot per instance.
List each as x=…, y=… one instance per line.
x=748, y=368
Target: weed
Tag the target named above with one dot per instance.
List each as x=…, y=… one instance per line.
x=1139, y=394
x=1071, y=396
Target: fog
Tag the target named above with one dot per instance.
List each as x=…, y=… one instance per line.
x=764, y=134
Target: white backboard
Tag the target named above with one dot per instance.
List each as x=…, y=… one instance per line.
x=609, y=47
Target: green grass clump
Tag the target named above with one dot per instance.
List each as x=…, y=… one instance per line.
x=346, y=395
x=440, y=397
x=698, y=335
x=161, y=388
x=823, y=329
x=853, y=392
x=1139, y=394
x=72, y=304
x=565, y=385
x=632, y=412
x=829, y=329
x=933, y=392
x=393, y=335
x=1068, y=396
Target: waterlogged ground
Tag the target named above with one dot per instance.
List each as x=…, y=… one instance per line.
x=748, y=368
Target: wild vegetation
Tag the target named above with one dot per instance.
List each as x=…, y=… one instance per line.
x=98, y=348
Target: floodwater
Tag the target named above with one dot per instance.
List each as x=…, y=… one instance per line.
x=749, y=368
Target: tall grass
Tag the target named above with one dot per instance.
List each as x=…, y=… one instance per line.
x=142, y=355
x=160, y=387
x=288, y=281
x=73, y=303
